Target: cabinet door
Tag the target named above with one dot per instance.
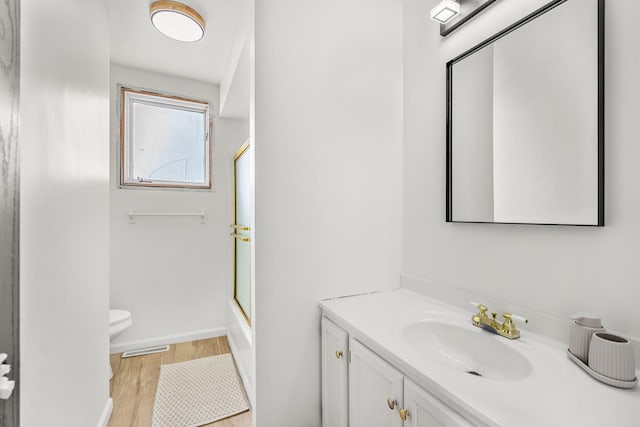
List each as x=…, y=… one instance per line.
x=424, y=410
x=375, y=389
x=335, y=376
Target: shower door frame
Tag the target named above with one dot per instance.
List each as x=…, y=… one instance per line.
x=244, y=149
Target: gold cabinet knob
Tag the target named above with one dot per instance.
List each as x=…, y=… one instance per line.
x=404, y=414
x=339, y=354
x=392, y=403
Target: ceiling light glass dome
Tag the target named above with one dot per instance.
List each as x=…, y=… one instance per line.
x=177, y=20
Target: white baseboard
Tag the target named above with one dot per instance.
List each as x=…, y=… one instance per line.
x=119, y=347
x=241, y=370
x=106, y=414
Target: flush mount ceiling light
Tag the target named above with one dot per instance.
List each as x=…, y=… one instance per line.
x=445, y=11
x=177, y=20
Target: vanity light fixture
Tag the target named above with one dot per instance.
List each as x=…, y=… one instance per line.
x=177, y=20
x=445, y=11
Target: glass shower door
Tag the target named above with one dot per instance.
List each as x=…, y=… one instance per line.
x=242, y=231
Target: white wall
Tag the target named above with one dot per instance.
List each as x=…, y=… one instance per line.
x=235, y=85
x=64, y=259
x=173, y=273
x=328, y=158
x=554, y=270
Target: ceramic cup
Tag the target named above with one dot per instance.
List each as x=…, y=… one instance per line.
x=612, y=356
x=580, y=339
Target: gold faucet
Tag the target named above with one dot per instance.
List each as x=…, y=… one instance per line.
x=506, y=329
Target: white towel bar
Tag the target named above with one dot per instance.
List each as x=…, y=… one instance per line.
x=133, y=214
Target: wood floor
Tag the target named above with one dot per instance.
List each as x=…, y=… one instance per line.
x=133, y=386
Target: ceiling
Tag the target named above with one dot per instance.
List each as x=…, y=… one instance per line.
x=136, y=43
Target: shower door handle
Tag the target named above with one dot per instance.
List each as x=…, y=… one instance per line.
x=240, y=227
x=241, y=237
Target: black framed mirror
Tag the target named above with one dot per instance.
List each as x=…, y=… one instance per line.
x=525, y=121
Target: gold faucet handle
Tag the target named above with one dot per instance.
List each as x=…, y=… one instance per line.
x=482, y=309
x=508, y=328
x=508, y=320
x=479, y=317
x=508, y=323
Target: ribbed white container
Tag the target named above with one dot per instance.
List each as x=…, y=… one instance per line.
x=580, y=339
x=612, y=356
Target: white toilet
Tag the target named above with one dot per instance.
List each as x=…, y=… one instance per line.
x=119, y=321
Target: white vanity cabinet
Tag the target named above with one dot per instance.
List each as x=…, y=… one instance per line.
x=335, y=377
x=423, y=410
x=375, y=389
x=360, y=389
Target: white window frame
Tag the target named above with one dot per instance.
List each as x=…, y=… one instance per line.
x=129, y=96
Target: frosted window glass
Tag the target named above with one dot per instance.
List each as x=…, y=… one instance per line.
x=165, y=141
x=168, y=144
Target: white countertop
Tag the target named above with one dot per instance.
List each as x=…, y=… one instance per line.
x=556, y=393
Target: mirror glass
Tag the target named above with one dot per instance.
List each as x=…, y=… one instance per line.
x=525, y=121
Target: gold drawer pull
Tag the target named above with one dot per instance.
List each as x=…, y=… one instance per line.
x=339, y=354
x=404, y=414
x=392, y=403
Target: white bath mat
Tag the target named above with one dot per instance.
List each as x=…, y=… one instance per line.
x=198, y=392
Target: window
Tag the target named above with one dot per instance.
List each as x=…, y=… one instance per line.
x=164, y=141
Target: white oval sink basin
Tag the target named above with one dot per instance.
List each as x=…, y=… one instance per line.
x=470, y=350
